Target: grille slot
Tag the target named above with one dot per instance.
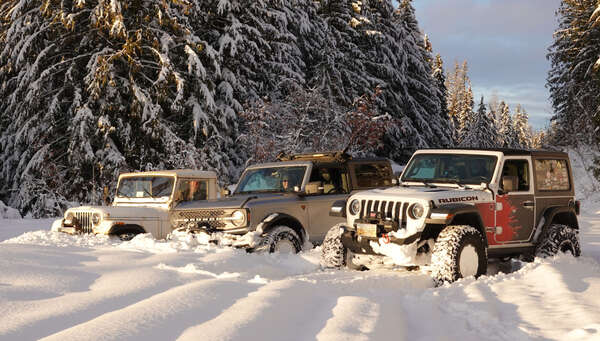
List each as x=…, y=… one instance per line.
x=394, y=210
x=85, y=221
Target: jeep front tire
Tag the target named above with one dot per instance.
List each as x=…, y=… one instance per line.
x=333, y=252
x=558, y=238
x=459, y=252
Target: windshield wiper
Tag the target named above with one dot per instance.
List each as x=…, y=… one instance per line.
x=149, y=194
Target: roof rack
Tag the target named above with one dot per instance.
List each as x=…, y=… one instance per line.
x=321, y=156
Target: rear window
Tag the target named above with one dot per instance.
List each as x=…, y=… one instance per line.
x=552, y=175
x=370, y=175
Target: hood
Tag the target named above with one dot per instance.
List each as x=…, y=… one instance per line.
x=439, y=195
x=121, y=211
x=235, y=201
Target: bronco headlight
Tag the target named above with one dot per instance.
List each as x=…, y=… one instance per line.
x=354, y=207
x=238, y=218
x=416, y=211
x=96, y=218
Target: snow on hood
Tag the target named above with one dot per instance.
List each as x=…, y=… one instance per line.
x=425, y=194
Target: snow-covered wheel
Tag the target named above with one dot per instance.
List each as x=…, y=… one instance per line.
x=127, y=236
x=281, y=239
x=558, y=238
x=333, y=252
x=459, y=252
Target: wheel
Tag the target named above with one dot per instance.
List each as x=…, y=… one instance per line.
x=333, y=252
x=558, y=238
x=281, y=239
x=127, y=236
x=459, y=252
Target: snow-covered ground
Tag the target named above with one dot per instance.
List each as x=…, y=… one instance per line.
x=59, y=287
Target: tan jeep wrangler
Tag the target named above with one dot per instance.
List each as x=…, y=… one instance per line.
x=454, y=209
x=142, y=204
x=284, y=203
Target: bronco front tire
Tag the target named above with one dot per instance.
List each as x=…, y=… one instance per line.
x=281, y=239
x=459, y=252
x=558, y=238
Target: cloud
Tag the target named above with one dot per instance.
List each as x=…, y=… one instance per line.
x=504, y=41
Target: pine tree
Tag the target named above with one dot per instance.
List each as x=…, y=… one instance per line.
x=507, y=134
x=460, y=100
x=521, y=122
x=574, y=78
x=481, y=132
x=409, y=90
x=101, y=87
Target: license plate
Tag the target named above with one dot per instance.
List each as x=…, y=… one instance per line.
x=366, y=230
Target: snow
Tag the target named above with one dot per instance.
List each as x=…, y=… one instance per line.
x=56, y=286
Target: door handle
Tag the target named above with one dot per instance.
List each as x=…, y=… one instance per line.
x=528, y=204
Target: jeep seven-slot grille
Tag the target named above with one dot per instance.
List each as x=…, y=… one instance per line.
x=392, y=210
x=84, y=220
x=205, y=217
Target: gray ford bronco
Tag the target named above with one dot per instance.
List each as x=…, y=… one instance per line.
x=281, y=205
x=454, y=209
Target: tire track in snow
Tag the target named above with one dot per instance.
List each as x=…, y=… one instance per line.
x=161, y=316
x=354, y=318
x=287, y=309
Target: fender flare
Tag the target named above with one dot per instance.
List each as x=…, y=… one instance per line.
x=455, y=213
x=564, y=214
x=277, y=218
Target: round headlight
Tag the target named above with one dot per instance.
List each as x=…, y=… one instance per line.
x=95, y=218
x=69, y=219
x=238, y=218
x=354, y=207
x=417, y=210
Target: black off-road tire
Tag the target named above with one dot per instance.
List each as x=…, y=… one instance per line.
x=452, y=244
x=333, y=252
x=277, y=235
x=558, y=238
x=126, y=236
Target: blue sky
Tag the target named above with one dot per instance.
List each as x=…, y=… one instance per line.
x=505, y=43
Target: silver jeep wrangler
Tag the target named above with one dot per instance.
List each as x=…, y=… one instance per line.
x=455, y=208
x=281, y=205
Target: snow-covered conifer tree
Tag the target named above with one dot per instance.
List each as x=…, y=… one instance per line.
x=522, y=127
x=94, y=88
x=481, y=131
x=508, y=137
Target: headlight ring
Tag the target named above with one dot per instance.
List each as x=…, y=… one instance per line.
x=416, y=211
x=354, y=207
x=238, y=218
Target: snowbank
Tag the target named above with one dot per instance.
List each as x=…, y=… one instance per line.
x=8, y=212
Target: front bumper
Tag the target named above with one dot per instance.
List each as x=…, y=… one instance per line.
x=362, y=244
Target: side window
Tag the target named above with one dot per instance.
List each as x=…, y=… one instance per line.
x=515, y=176
x=327, y=180
x=552, y=175
x=190, y=190
x=369, y=175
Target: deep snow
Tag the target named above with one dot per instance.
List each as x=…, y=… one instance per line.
x=59, y=287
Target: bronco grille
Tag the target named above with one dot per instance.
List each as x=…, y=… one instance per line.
x=84, y=220
x=206, y=217
x=391, y=210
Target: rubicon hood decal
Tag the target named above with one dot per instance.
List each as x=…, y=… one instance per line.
x=459, y=199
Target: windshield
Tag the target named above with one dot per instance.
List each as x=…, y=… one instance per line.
x=450, y=168
x=273, y=179
x=146, y=187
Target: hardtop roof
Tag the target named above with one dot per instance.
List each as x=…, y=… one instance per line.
x=505, y=151
x=185, y=173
